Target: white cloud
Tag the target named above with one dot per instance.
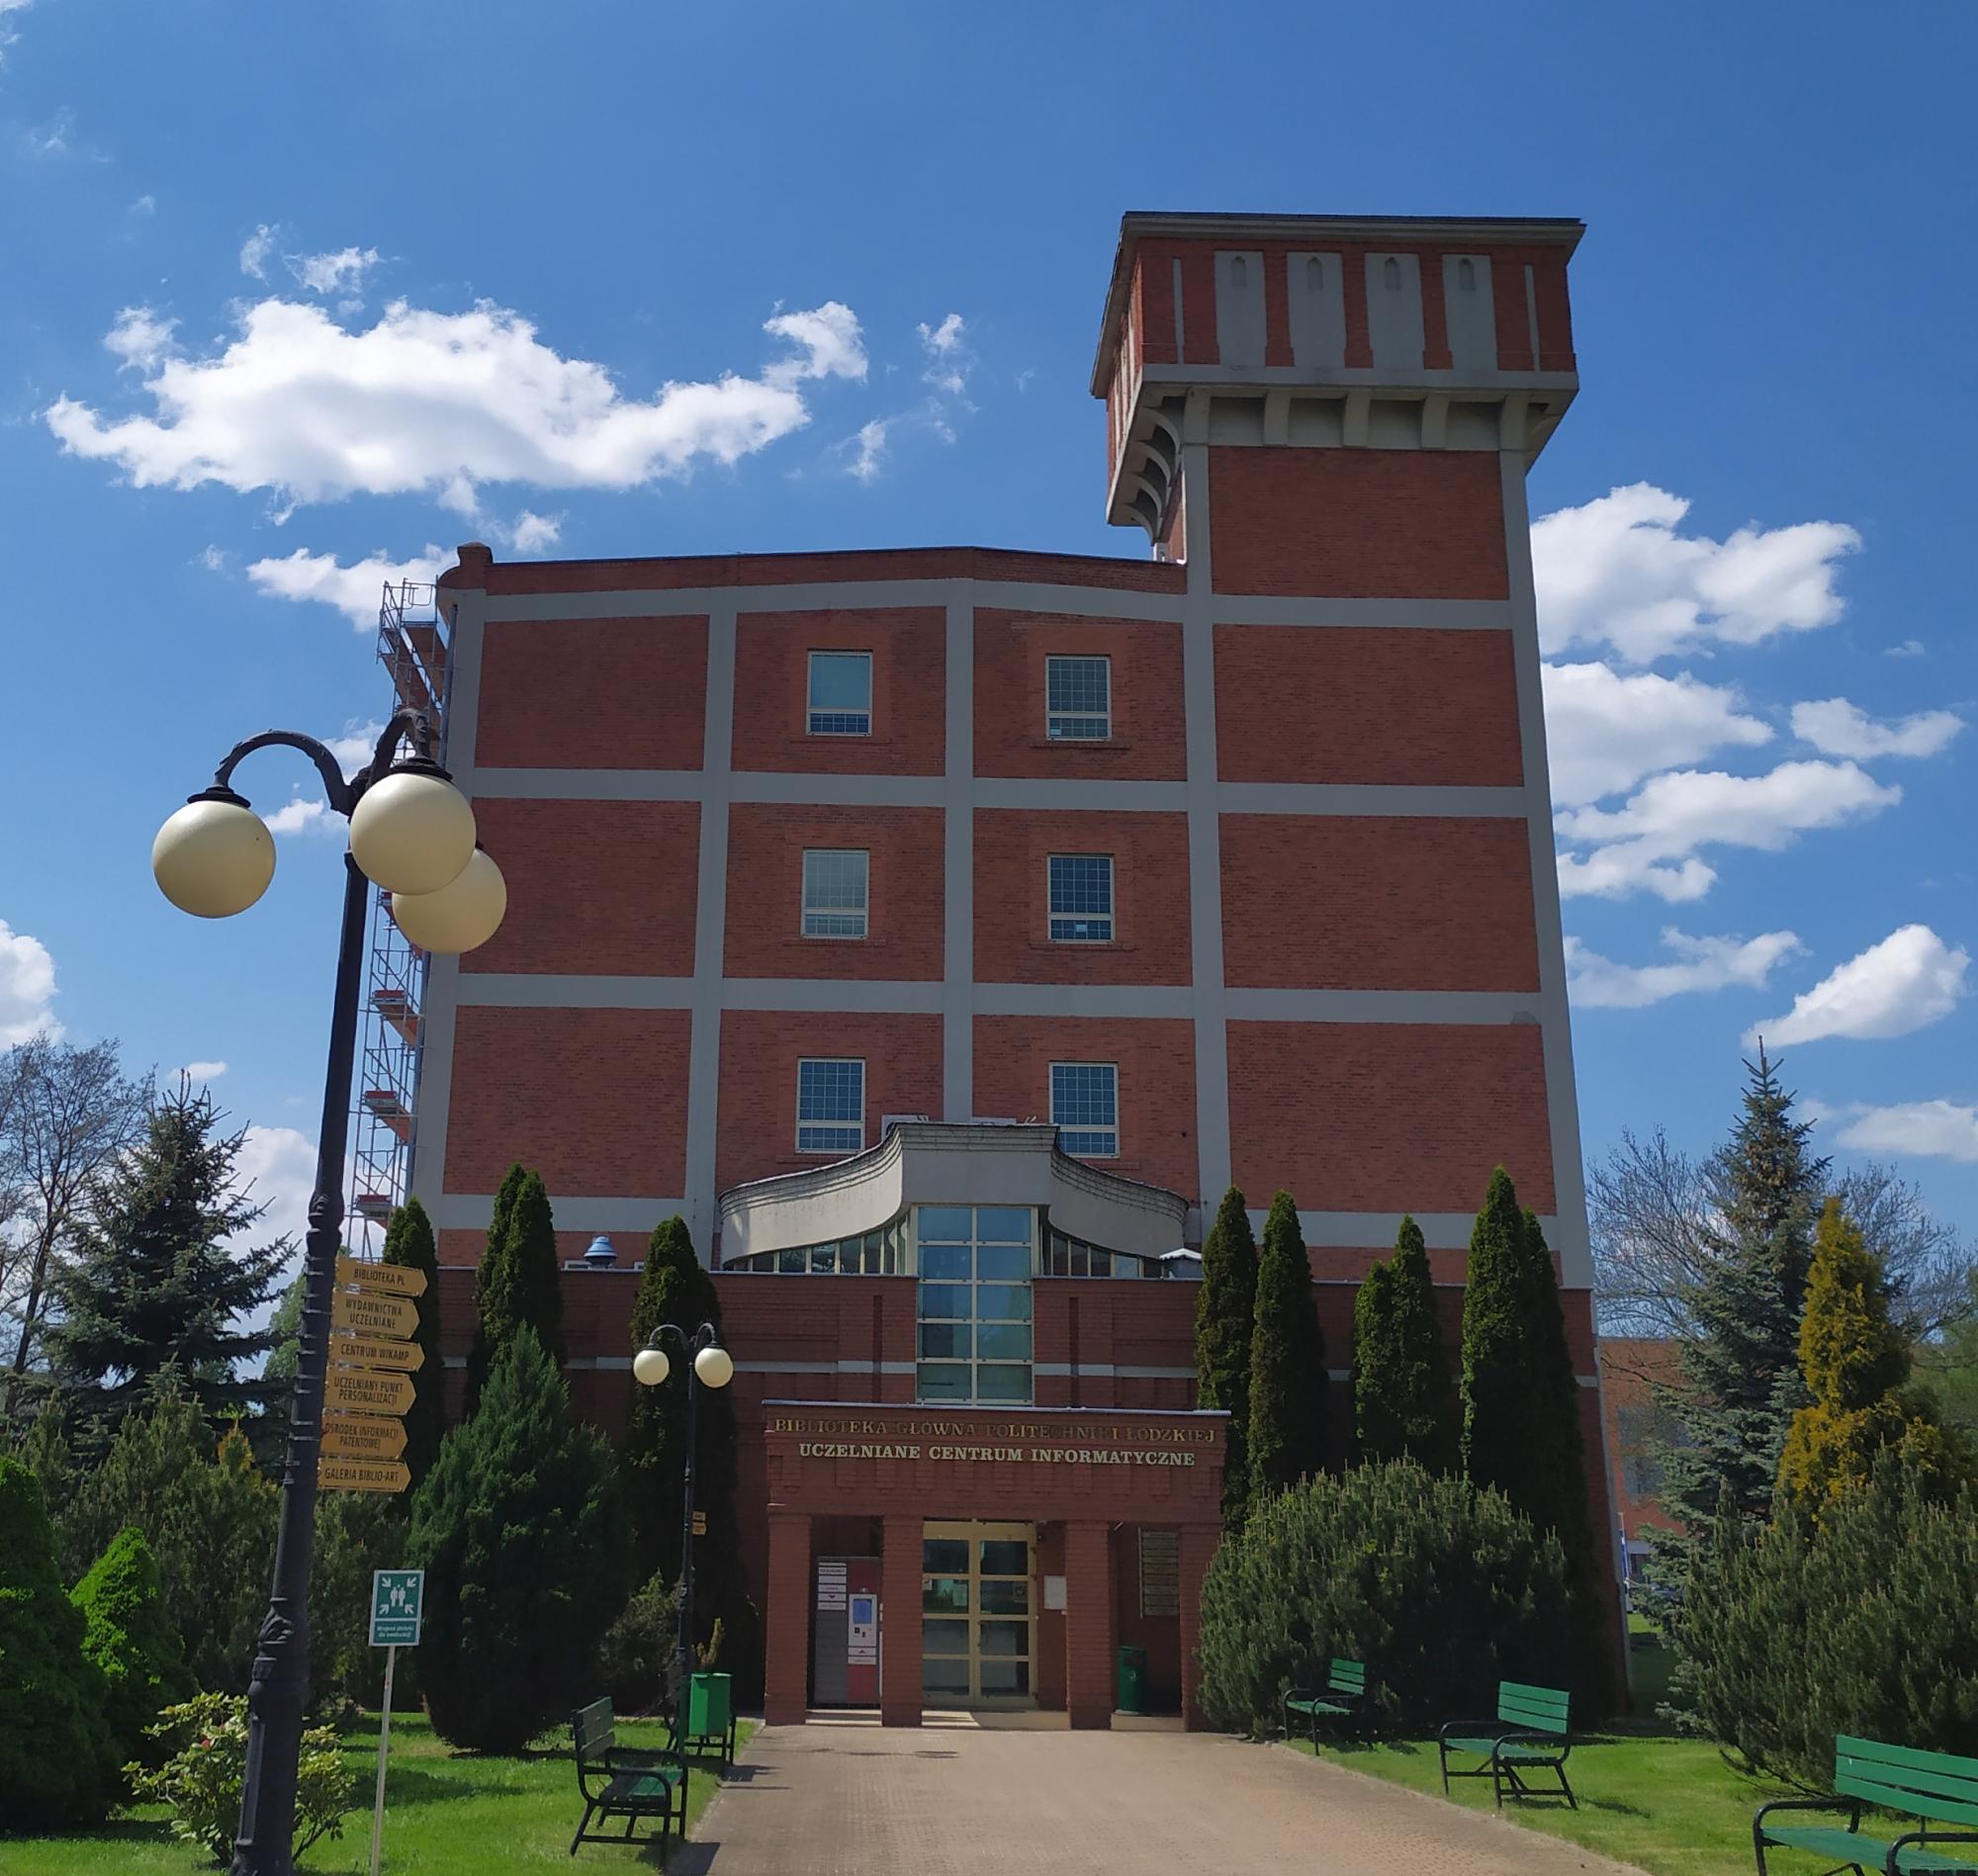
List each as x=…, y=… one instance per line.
x=140, y=338
x=27, y=987
x=356, y=746
x=1650, y=844
x=530, y=533
x=1616, y=570
x=144, y=204
x=277, y=1168
x=302, y=816
x=341, y=272
x=1911, y=980
x=256, y=250
x=1701, y=963
x=869, y=444
x=205, y=1071
x=213, y=558
x=1931, y=1129
x=1908, y=647
x=1837, y=727
x=353, y=589
x=438, y=402
x=949, y=359
x=56, y=137
x=1604, y=731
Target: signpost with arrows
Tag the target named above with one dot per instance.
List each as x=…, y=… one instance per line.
x=374, y=1315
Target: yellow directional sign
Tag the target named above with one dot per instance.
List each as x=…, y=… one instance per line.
x=367, y=1390
x=399, y=1279
x=362, y=1436
x=362, y=1474
x=359, y=1314
x=368, y=1352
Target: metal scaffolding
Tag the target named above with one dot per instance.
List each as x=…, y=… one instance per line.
x=415, y=641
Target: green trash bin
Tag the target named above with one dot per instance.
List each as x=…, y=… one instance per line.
x=1133, y=1680
x=710, y=1714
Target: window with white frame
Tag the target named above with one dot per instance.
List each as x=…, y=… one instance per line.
x=1078, y=699
x=835, y=890
x=830, y=1106
x=841, y=693
x=1085, y=1108
x=1081, y=898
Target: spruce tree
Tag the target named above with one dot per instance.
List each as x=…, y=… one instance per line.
x=408, y=1242
x=1225, y=1315
x=57, y=1756
x=675, y=1288
x=155, y=1284
x=1740, y=1382
x=520, y=1528
x=1404, y=1400
x=1288, y=1376
x=130, y=1637
x=519, y=1282
x=1853, y=1361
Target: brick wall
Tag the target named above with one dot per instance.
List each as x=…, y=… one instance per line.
x=592, y=693
x=772, y=673
x=1398, y=707
x=1151, y=941
x=1360, y=523
x=1397, y=903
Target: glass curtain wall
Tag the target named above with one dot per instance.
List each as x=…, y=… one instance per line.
x=974, y=1302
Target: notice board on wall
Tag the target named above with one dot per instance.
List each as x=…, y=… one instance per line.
x=1161, y=1572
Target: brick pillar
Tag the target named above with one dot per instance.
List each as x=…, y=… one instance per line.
x=900, y=1607
x=786, y=1664
x=1197, y=1548
x=1088, y=1624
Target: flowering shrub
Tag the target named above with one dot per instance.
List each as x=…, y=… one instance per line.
x=201, y=1781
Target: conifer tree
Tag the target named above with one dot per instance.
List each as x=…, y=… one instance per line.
x=1404, y=1400
x=519, y=1280
x=58, y=1757
x=1740, y=1380
x=154, y=1281
x=675, y=1288
x=1288, y=1376
x=1225, y=1315
x=520, y=1528
x=130, y=1637
x=408, y=1242
x=1854, y=1361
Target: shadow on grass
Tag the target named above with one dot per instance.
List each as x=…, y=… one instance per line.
x=410, y=1784
x=129, y=1832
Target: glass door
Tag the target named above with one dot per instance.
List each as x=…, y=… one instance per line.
x=978, y=1626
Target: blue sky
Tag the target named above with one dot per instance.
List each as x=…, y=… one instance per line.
x=538, y=217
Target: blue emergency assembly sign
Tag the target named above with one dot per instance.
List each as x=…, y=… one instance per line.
x=395, y=1607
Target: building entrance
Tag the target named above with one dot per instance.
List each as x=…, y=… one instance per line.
x=979, y=1615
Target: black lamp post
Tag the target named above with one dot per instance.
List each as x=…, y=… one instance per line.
x=709, y=1365
x=411, y=832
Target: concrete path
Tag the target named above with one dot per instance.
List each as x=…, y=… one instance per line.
x=968, y=1800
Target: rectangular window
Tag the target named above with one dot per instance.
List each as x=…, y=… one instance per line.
x=1085, y=1108
x=831, y=1107
x=1078, y=699
x=841, y=693
x=1081, y=898
x=835, y=892
x=973, y=1309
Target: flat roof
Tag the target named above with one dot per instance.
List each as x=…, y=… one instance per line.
x=1137, y=224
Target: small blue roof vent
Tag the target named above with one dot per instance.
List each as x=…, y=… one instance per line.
x=601, y=1253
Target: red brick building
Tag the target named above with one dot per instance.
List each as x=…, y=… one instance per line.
x=941, y=931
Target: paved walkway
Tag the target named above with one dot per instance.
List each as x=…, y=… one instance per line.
x=961, y=1800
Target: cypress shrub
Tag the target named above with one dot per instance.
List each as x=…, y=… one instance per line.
x=57, y=1756
x=1405, y=1401
x=129, y=1634
x=1862, y=1623
x=520, y=1528
x=1288, y=1378
x=1441, y=1589
x=1225, y=1312
x=409, y=1241
x=519, y=1280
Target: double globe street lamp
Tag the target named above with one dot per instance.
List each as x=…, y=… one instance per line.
x=709, y=1365
x=413, y=834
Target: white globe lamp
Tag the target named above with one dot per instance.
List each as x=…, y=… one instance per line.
x=214, y=857
x=413, y=831
x=461, y=915
x=650, y=1367
x=715, y=1366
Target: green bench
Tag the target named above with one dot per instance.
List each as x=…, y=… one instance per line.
x=1528, y=1734
x=1898, y=1778
x=618, y=1781
x=1345, y=1687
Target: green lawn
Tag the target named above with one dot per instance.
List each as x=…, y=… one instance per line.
x=444, y=1816
x=1671, y=1806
